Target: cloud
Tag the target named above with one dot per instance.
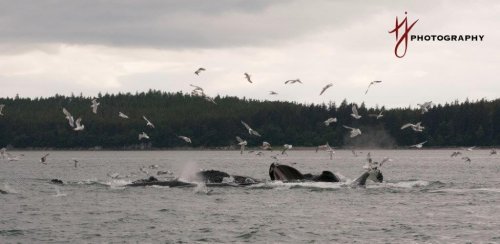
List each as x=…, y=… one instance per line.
x=77, y=46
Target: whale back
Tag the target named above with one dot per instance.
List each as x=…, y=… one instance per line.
x=326, y=176
x=284, y=173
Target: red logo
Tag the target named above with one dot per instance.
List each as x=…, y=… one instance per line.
x=404, y=36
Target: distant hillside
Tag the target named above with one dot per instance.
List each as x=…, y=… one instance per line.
x=40, y=123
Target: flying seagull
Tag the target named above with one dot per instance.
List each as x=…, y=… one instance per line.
x=456, y=153
x=466, y=159
x=354, y=131
x=242, y=144
x=196, y=88
x=372, y=83
x=11, y=157
x=416, y=127
x=266, y=146
x=209, y=99
x=69, y=117
x=324, y=88
x=285, y=148
x=94, y=106
x=143, y=135
x=329, y=121
x=293, y=81
x=419, y=145
x=197, y=72
x=122, y=115
x=373, y=165
x=79, y=126
x=1, y=108
x=247, y=76
x=493, y=151
x=44, y=159
x=186, y=139
x=355, y=112
x=250, y=130
x=75, y=163
x=148, y=123
x=273, y=93
x=378, y=116
x=425, y=107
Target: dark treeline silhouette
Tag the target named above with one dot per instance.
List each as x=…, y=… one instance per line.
x=40, y=123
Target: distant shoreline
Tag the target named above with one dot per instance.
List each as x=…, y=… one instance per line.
x=278, y=149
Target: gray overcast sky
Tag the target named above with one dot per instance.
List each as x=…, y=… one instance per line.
x=49, y=47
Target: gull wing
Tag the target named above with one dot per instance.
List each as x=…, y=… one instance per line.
x=406, y=126
x=66, y=112
x=347, y=127
x=246, y=125
x=386, y=159
x=355, y=110
x=78, y=122
x=239, y=139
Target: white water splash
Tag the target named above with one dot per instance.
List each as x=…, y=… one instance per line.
x=189, y=171
x=201, y=188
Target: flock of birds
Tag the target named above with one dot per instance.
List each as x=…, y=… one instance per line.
x=77, y=125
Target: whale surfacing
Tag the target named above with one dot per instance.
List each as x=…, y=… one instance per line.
x=283, y=172
x=288, y=173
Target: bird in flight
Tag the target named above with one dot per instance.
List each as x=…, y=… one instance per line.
x=419, y=145
x=416, y=127
x=293, y=81
x=1, y=108
x=354, y=131
x=143, y=135
x=325, y=88
x=247, y=76
x=148, y=123
x=122, y=115
x=69, y=117
x=273, y=93
x=250, y=130
x=266, y=146
x=197, y=72
x=79, y=126
x=186, y=139
x=329, y=121
x=377, y=116
x=466, y=159
x=43, y=159
x=493, y=151
x=94, y=106
x=242, y=144
x=454, y=154
x=355, y=112
x=425, y=107
x=372, y=83
x=285, y=148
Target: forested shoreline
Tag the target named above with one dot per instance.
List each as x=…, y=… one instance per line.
x=40, y=123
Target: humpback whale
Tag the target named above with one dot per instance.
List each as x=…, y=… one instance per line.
x=288, y=173
x=209, y=177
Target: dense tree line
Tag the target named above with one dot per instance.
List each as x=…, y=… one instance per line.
x=40, y=123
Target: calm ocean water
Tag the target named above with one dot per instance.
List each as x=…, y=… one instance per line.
x=428, y=197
